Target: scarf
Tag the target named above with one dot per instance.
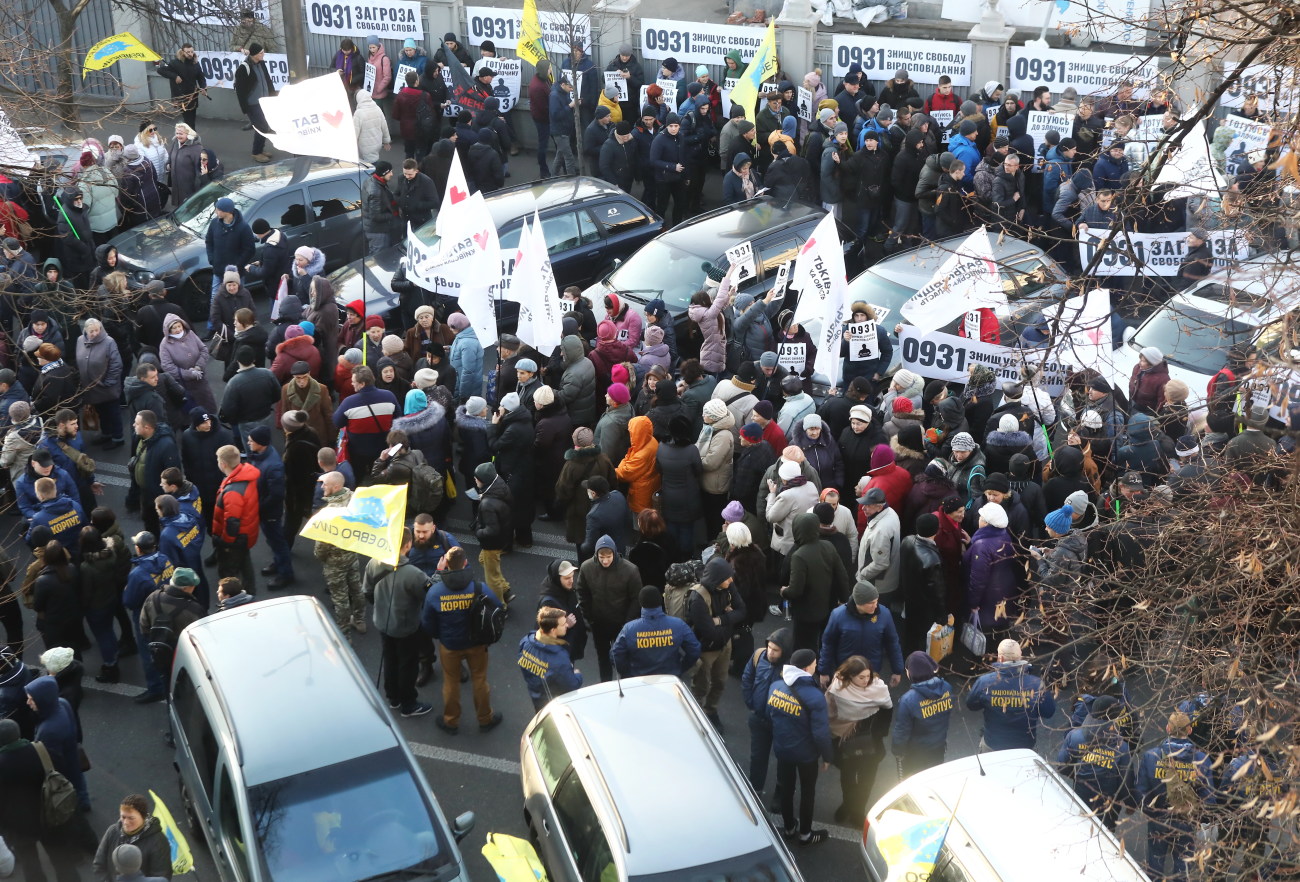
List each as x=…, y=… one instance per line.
x=855, y=703
x=310, y=399
x=747, y=186
x=796, y=481
x=17, y=744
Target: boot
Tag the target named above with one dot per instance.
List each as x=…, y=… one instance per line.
x=108, y=674
x=426, y=672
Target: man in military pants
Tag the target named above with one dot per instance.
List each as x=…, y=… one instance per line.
x=342, y=577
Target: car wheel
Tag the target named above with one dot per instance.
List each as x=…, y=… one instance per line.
x=194, y=297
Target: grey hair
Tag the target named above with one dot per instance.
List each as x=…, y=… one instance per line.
x=90, y=323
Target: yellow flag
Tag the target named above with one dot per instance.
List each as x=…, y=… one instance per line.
x=371, y=524
x=182, y=860
x=119, y=47
x=761, y=69
x=531, y=47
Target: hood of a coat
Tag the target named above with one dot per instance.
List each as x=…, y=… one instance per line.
x=805, y=528
x=173, y=317
x=571, y=347
x=882, y=456
x=1069, y=462
x=290, y=310
x=1139, y=428
x=45, y=693
x=640, y=431
x=605, y=543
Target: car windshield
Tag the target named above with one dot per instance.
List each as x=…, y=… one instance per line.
x=197, y=211
x=660, y=270
x=1192, y=338
x=347, y=822
x=881, y=293
x=761, y=866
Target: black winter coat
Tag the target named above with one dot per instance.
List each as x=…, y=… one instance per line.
x=789, y=178
x=511, y=441
x=618, y=163
x=416, y=198
x=747, y=476
x=680, y=469
x=485, y=168
x=906, y=172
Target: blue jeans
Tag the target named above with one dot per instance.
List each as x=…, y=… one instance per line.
x=543, y=145
x=760, y=751
x=1165, y=836
x=273, y=530
x=904, y=220
x=153, y=678
x=683, y=535
x=101, y=625
x=110, y=419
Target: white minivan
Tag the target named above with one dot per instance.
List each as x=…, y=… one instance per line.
x=1014, y=819
x=291, y=767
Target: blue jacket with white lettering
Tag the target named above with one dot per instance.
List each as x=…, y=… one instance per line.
x=548, y=671
x=1172, y=756
x=761, y=672
x=1097, y=758
x=181, y=540
x=1014, y=701
x=57, y=514
x=922, y=716
x=801, y=727
x=849, y=632
x=149, y=572
x=445, y=616
x=656, y=643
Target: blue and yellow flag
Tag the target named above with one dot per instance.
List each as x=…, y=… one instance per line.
x=912, y=852
x=531, y=47
x=371, y=524
x=119, y=47
x=761, y=69
x=182, y=860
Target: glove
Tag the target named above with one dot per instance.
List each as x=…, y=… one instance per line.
x=195, y=373
x=934, y=436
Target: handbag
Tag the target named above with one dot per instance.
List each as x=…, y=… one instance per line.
x=219, y=345
x=89, y=418
x=448, y=486
x=972, y=637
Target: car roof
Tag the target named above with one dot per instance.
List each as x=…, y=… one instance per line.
x=916, y=267
x=1055, y=833
x=258, y=180
x=710, y=234
x=659, y=784
x=521, y=201
x=284, y=676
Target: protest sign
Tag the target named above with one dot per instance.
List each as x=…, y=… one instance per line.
x=943, y=118
x=368, y=81
x=219, y=68
x=949, y=357
x=506, y=83
x=616, y=79
x=505, y=27
x=1276, y=87
x=925, y=60
x=1157, y=254
x=792, y=356
x=805, y=104
x=202, y=12
x=742, y=258
x=1090, y=73
x=696, y=42
x=1247, y=136
x=863, y=345
x=1040, y=123
x=387, y=19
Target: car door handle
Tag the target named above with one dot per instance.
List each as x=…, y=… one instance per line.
x=546, y=827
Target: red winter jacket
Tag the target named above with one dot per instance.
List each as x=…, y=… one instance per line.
x=894, y=480
x=295, y=349
x=1146, y=388
x=236, y=516
x=939, y=101
x=990, y=332
x=406, y=106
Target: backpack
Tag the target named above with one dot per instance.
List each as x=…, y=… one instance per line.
x=162, y=636
x=424, y=118
x=677, y=600
x=426, y=489
x=58, y=796
x=486, y=622
x=1180, y=796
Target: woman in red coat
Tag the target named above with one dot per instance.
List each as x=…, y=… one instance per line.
x=298, y=346
x=1146, y=387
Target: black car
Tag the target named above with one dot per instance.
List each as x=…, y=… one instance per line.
x=673, y=266
x=312, y=201
x=589, y=226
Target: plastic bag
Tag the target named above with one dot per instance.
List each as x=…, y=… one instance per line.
x=972, y=637
x=869, y=15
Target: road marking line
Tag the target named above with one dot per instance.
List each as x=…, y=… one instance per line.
x=112, y=467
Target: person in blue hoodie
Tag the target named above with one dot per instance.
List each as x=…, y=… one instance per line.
x=861, y=626
x=920, y=732
x=801, y=740
x=656, y=643
x=1174, y=783
x=1013, y=700
x=41, y=465
x=761, y=671
x=1058, y=167
x=1141, y=452
x=1110, y=171
x=56, y=728
x=182, y=540
x=270, y=505
x=544, y=658
x=962, y=146
x=446, y=618
x=150, y=570
x=1096, y=757
x=61, y=514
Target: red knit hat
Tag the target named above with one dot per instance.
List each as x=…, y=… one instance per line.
x=902, y=404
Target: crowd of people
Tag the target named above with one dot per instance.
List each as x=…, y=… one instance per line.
x=708, y=496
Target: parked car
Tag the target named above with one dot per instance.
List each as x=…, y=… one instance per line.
x=672, y=267
x=588, y=224
x=630, y=781
x=313, y=202
x=1249, y=304
x=275, y=798
x=1013, y=819
x=1029, y=276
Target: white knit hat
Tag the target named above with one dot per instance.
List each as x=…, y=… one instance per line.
x=994, y=515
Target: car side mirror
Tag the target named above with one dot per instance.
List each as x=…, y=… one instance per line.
x=618, y=261
x=462, y=826
x=1129, y=333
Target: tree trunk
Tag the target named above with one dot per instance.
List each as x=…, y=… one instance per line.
x=65, y=66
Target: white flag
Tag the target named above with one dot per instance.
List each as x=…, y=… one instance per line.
x=312, y=118
x=967, y=279
x=457, y=192
x=532, y=285
x=470, y=261
x=823, y=294
x=1192, y=168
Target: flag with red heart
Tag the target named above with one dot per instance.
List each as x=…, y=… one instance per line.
x=312, y=118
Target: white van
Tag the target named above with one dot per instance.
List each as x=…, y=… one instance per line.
x=291, y=767
x=1014, y=819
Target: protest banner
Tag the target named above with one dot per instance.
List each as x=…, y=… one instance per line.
x=507, y=82
x=201, y=12
x=505, y=27
x=1121, y=22
x=1040, y=123
x=697, y=42
x=370, y=524
x=925, y=60
x=1090, y=73
x=1157, y=254
x=968, y=278
x=387, y=19
x=948, y=357
x=1276, y=87
x=219, y=68
x=819, y=277
x=312, y=118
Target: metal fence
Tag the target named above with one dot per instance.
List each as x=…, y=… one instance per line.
x=94, y=23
